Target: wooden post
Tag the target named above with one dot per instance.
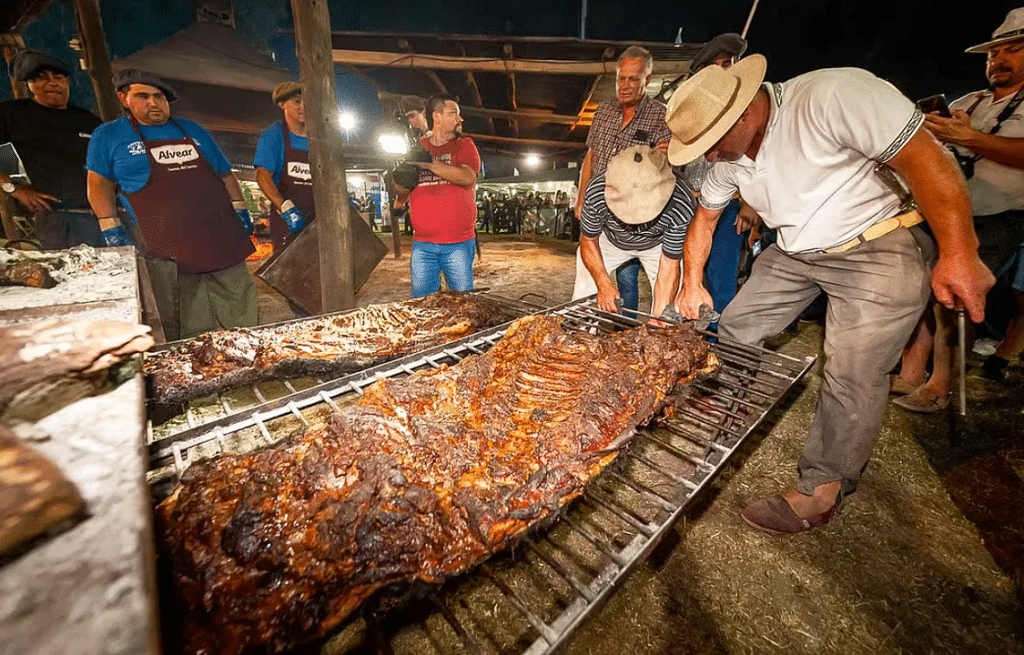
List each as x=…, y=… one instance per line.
x=18, y=89
x=326, y=160
x=97, y=58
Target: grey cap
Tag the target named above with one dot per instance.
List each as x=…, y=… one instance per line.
x=730, y=44
x=128, y=76
x=27, y=63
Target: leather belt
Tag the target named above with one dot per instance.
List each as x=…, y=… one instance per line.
x=879, y=229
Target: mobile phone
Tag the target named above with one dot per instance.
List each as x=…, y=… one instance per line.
x=935, y=105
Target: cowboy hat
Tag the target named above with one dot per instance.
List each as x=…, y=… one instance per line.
x=638, y=185
x=1012, y=29
x=708, y=104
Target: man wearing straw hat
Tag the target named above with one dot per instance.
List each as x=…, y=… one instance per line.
x=636, y=208
x=803, y=155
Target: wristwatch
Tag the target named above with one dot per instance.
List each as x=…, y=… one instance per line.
x=9, y=187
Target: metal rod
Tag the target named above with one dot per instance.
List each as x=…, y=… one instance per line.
x=538, y=624
x=592, y=498
x=682, y=432
x=644, y=491
x=595, y=540
x=462, y=633
x=681, y=454
x=655, y=467
x=382, y=643
x=561, y=571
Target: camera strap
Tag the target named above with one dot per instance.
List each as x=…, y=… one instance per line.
x=1003, y=115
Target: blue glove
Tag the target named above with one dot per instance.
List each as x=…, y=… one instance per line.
x=243, y=215
x=292, y=217
x=116, y=236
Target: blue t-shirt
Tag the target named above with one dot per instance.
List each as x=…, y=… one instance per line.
x=270, y=149
x=117, y=153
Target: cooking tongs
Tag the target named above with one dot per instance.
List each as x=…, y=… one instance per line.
x=708, y=315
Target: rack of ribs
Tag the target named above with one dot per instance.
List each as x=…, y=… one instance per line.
x=335, y=345
x=424, y=478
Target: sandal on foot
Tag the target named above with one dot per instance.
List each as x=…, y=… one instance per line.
x=775, y=516
x=900, y=387
x=920, y=402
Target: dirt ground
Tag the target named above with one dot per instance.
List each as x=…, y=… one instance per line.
x=926, y=557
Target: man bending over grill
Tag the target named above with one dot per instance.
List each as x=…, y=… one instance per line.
x=803, y=155
x=636, y=208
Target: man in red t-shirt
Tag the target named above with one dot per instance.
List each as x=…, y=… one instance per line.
x=443, y=205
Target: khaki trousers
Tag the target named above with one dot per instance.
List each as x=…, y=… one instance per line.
x=219, y=300
x=876, y=292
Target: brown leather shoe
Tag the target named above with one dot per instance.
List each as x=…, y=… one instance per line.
x=775, y=516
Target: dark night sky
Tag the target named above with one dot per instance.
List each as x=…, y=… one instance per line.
x=912, y=43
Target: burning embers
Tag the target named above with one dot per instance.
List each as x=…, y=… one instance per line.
x=426, y=477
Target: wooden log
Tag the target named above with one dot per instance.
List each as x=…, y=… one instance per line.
x=326, y=161
x=492, y=65
x=18, y=89
x=527, y=142
x=97, y=58
x=523, y=115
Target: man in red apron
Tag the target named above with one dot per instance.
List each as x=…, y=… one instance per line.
x=182, y=202
x=282, y=166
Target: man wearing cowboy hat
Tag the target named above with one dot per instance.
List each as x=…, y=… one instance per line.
x=183, y=203
x=51, y=137
x=803, y=155
x=724, y=260
x=635, y=209
x=987, y=130
x=282, y=166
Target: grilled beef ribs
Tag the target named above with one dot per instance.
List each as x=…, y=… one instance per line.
x=217, y=361
x=424, y=478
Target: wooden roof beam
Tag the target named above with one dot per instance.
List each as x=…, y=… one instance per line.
x=522, y=115
x=492, y=65
x=527, y=142
x=404, y=45
x=474, y=92
x=507, y=49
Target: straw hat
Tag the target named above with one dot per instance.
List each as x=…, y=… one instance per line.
x=1012, y=29
x=638, y=185
x=708, y=104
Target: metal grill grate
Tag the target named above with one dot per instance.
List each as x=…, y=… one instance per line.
x=200, y=413
x=533, y=600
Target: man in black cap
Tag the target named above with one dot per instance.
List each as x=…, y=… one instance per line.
x=179, y=192
x=51, y=137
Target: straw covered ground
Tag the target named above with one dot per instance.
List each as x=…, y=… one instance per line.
x=926, y=557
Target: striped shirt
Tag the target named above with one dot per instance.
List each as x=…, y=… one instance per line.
x=668, y=229
x=607, y=136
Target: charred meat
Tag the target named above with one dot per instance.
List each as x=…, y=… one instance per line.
x=217, y=361
x=425, y=478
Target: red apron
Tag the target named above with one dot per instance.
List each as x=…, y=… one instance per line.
x=184, y=211
x=295, y=185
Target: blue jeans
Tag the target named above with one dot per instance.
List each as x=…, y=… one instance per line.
x=627, y=279
x=429, y=260
x=722, y=268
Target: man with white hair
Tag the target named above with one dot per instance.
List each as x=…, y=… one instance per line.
x=629, y=119
x=803, y=155
x=636, y=209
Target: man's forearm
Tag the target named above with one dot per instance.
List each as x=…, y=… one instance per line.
x=697, y=246
x=265, y=180
x=590, y=252
x=102, y=199
x=463, y=176
x=234, y=190
x=585, y=175
x=1004, y=150
x=667, y=284
x=940, y=192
